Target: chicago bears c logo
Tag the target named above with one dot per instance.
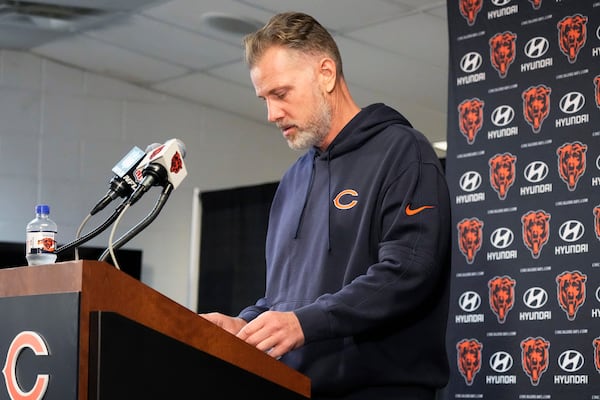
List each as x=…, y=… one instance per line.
x=536, y=231
x=571, y=163
x=571, y=292
x=469, y=9
x=534, y=358
x=502, y=51
x=572, y=35
x=502, y=173
x=502, y=296
x=597, y=91
x=597, y=221
x=470, y=118
x=536, y=106
x=470, y=234
x=345, y=204
x=468, y=354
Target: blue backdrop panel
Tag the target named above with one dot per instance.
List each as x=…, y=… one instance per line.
x=523, y=166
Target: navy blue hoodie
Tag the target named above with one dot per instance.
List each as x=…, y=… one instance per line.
x=358, y=247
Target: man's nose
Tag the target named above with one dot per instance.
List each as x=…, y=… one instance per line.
x=274, y=112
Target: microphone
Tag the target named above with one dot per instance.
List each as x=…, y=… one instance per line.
x=164, y=165
x=124, y=182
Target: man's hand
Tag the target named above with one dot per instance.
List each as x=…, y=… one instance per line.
x=230, y=324
x=273, y=332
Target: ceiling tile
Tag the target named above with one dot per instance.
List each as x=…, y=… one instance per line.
x=407, y=36
x=235, y=72
x=337, y=15
x=168, y=43
x=102, y=58
x=188, y=14
x=210, y=91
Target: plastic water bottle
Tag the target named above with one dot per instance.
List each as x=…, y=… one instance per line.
x=41, y=237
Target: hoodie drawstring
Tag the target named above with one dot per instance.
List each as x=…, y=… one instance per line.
x=329, y=201
x=308, y=190
x=307, y=195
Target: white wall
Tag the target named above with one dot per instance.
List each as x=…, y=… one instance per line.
x=62, y=130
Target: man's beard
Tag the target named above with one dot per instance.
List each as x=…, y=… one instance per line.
x=316, y=128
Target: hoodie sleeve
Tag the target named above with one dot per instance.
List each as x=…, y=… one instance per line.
x=413, y=225
x=251, y=312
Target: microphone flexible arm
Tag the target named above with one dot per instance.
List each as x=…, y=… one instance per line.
x=92, y=234
x=131, y=233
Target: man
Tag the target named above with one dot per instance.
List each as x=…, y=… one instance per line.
x=358, y=242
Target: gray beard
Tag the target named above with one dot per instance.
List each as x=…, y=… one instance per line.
x=316, y=130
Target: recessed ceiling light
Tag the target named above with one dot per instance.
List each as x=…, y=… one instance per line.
x=230, y=24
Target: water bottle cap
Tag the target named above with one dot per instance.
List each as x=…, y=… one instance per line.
x=42, y=209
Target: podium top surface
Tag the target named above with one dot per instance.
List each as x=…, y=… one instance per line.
x=104, y=288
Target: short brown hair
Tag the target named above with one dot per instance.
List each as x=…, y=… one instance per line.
x=295, y=31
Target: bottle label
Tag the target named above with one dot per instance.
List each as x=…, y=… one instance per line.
x=40, y=242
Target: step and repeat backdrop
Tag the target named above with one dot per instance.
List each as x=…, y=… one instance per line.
x=523, y=165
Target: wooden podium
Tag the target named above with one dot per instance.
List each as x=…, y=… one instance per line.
x=85, y=330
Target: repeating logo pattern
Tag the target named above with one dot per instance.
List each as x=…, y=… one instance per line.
x=524, y=120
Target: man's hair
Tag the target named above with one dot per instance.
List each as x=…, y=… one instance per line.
x=296, y=31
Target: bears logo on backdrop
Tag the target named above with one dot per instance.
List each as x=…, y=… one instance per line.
x=596, y=344
x=571, y=163
x=534, y=358
x=469, y=10
x=543, y=166
x=536, y=231
x=572, y=35
x=536, y=106
x=502, y=296
x=502, y=51
x=597, y=221
x=470, y=234
x=571, y=292
x=470, y=118
x=536, y=4
x=502, y=173
x=468, y=353
x=597, y=91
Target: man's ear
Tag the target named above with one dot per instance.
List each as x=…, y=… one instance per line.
x=327, y=74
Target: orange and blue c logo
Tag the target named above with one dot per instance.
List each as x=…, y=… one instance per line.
x=341, y=202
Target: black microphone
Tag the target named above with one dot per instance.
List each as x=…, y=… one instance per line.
x=164, y=165
x=123, y=182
